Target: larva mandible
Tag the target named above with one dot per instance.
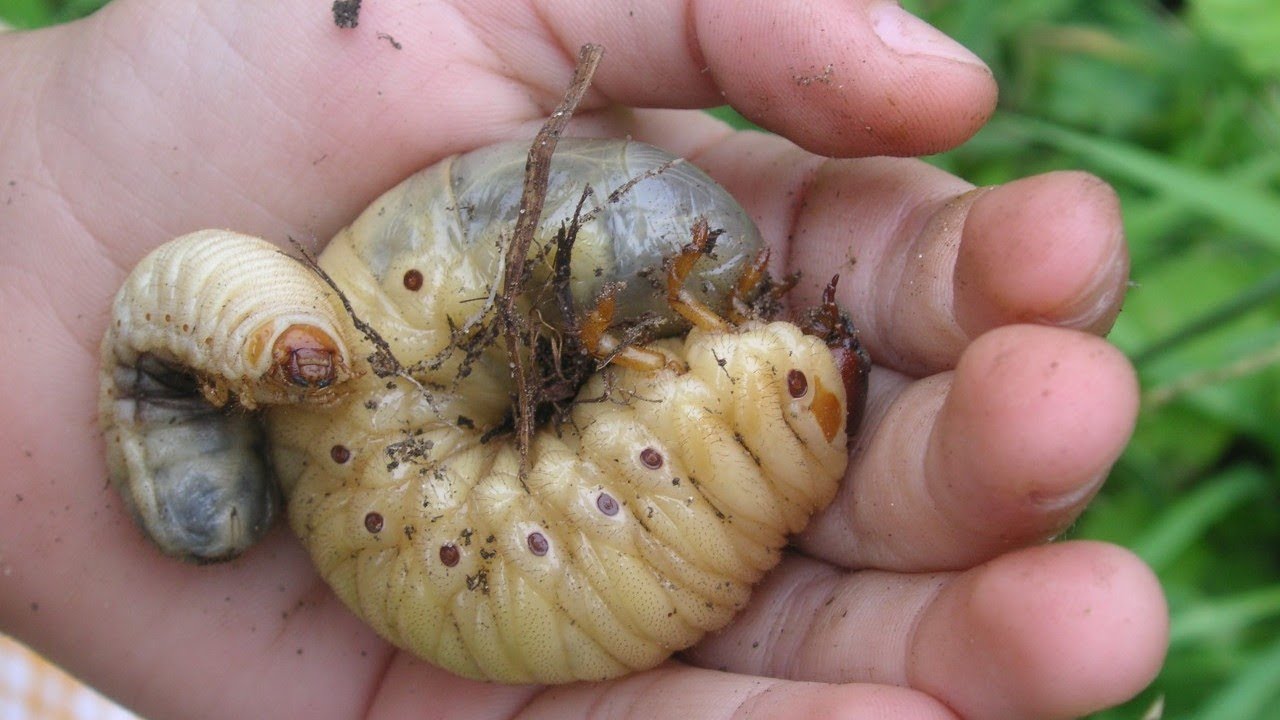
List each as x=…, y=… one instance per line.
x=641, y=523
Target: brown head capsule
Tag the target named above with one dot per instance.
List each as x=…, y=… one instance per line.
x=306, y=356
x=835, y=327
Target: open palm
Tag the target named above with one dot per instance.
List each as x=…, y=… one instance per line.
x=995, y=412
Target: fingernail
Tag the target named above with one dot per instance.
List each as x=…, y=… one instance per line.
x=907, y=34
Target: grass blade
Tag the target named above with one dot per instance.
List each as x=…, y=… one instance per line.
x=1227, y=201
x=1187, y=520
x=1224, y=616
x=1252, y=693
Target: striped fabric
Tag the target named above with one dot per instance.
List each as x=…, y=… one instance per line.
x=31, y=688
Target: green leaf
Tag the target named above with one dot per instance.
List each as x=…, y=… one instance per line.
x=26, y=13
x=1211, y=619
x=1187, y=520
x=1250, y=27
x=1233, y=204
x=1251, y=694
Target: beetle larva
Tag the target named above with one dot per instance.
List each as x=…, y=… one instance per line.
x=210, y=316
x=638, y=524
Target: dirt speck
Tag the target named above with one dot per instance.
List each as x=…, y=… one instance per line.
x=346, y=13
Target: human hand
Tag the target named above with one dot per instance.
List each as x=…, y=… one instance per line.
x=924, y=591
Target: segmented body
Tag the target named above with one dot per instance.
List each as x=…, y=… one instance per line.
x=216, y=302
x=641, y=523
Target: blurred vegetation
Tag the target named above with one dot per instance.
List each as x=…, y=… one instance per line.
x=39, y=13
x=1177, y=104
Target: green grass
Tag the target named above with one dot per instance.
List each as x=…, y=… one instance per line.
x=1178, y=106
x=1180, y=110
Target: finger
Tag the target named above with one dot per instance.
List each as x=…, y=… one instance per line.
x=1004, y=452
x=678, y=692
x=927, y=263
x=323, y=119
x=839, y=78
x=1054, y=631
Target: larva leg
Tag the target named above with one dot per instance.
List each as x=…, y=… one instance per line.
x=595, y=338
x=207, y=327
x=754, y=277
x=678, y=268
x=593, y=329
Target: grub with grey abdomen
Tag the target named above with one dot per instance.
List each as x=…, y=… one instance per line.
x=641, y=515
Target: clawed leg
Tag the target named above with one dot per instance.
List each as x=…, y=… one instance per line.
x=678, y=268
x=593, y=333
x=593, y=328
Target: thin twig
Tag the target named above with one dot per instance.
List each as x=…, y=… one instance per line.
x=537, y=171
x=383, y=362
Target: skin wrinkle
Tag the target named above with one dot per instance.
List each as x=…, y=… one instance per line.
x=799, y=193
x=1097, y=304
x=542, y=97
x=38, y=132
x=927, y=403
x=815, y=585
x=753, y=698
x=818, y=627
x=934, y=247
x=835, y=525
x=693, y=45
x=378, y=680
x=943, y=580
x=568, y=58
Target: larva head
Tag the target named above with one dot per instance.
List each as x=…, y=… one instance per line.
x=775, y=373
x=306, y=356
x=297, y=354
x=834, y=327
x=818, y=401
